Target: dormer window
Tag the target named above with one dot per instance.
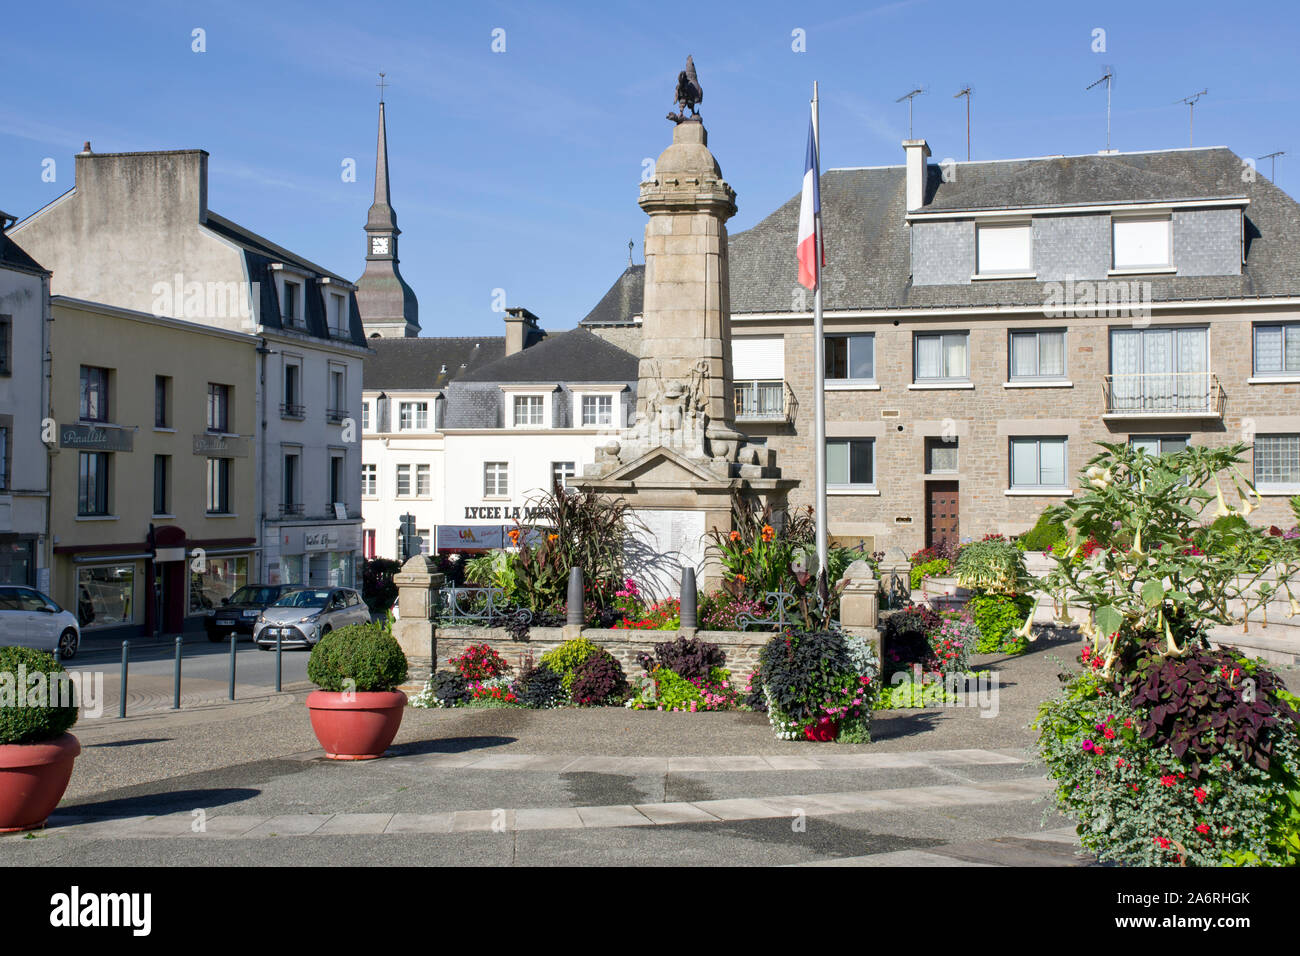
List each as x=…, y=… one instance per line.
x=337, y=313
x=1004, y=250
x=528, y=407
x=291, y=302
x=1142, y=244
x=529, y=411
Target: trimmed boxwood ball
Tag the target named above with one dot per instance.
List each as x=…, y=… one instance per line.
x=28, y=724
x=366, y=653
x=599, y=680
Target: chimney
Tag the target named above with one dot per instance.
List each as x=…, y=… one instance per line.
x=917, y=152
x=521, y=330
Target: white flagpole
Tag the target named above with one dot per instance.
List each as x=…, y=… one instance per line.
x=819, y=360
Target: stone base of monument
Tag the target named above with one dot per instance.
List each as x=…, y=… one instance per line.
x=675, y=502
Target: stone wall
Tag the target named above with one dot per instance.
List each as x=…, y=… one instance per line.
x=741, y=647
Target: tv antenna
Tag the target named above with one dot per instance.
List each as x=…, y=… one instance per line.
x=630, y=246
x=909, y=97
x=1191, y=112
x=1107, y=78
x=966, y=91
x=1273, y=166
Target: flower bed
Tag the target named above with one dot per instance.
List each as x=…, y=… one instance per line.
x=820, y=685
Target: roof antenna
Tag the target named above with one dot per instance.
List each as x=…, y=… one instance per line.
x=1273, y=169
x=630, y=246
x=1191, y=112
x=1106, y=78
x=966, y=91
x=381, y=84
x=909, y=97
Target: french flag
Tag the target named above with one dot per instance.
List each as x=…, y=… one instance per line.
x=810, y=209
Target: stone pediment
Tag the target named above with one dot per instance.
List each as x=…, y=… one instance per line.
x=663, y=466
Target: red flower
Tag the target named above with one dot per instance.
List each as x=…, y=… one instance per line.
x=1200, y=795
x=1162, y=842
x=1203, y=829
x=1168, y=780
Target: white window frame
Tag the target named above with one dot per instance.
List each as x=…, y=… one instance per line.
x=597, y=401
x=1038, y=376
x=425, y=471
x=545, y=392
x=1159, y=440
x=419, y=415
x=582, y=392
x=298, y=318
x=1142, y=267
x=1038, y=441
x=369, y=480
x=401, y=470
x=1018, y=270
x=564, y=471
x=500, y=480
x=852, y=485
x=1274, y=487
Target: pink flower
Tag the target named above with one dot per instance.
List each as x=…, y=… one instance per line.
x=1087, y=745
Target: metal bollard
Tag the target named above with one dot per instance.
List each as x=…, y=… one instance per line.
x=576, y=613
x=176, y=678
x=688, y=601
x=277, y=661
x=121, y=704
x=234, y=638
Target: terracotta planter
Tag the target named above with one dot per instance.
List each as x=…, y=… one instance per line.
x=824, y=730
x=33, y=778
x=356, y=726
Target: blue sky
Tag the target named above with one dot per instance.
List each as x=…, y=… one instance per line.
x=519, y=170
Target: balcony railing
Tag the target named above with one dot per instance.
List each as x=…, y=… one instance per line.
x=290, y=510
x=1156, y=394
x=761, y=401
x=335, y=415
x=292, y=410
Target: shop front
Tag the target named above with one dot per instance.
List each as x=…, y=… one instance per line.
x=323, y=556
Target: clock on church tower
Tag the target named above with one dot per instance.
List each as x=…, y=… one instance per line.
x=380, y=245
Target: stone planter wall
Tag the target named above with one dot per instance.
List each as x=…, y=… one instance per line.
x=741, y=647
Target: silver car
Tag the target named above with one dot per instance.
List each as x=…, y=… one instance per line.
x=301, y=618
x=30, y=619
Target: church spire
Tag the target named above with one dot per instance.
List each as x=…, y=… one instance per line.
x=387, y=305
x=382, y=217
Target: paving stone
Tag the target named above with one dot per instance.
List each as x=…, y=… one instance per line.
x=663, y=813
x=355, y=823
x=551, y=818
x=289, y=824
x=898, y=858
x=613, y=816
x=419, y=823
x=463, y=821
x=1057, y=835
x=231, y=825
x=690, y=764
x=741, y=763
x=741, y=809
x=782, y=762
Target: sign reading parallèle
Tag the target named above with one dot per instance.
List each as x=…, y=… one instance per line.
x=96, y=437
x=221, y=446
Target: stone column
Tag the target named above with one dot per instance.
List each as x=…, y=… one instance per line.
x=860, y=603
x=417, y=600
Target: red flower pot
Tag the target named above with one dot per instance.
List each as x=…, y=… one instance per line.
x=824, y=730
x=33, y=778
x=356, y=726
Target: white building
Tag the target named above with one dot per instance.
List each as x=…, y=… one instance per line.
x=24, y=404
x=468, y=433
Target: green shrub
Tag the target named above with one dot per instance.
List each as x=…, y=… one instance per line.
x=30, y=711
x=599, y=680
x=676, y=692
x=568, y=657
x=929, y=569
x=367, y=654
x=1046, y=534
x=993, y=565
x=998, y=616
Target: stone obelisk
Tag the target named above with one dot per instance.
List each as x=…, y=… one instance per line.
x=682, y=459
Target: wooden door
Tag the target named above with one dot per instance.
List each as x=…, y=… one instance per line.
x=941, y=513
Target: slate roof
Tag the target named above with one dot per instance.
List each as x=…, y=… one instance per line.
x=12, y=256
x=573, y=356
x=868, y=262
x=417, y=363
x=623, y=300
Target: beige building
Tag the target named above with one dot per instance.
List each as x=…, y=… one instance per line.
x=988, y=323
x=153, y=515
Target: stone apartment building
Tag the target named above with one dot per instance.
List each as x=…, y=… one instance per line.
x=135, y=232
x=988, y=322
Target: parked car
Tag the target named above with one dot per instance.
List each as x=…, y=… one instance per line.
x=305, y=616
x=238, y=613
x=30, y=619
